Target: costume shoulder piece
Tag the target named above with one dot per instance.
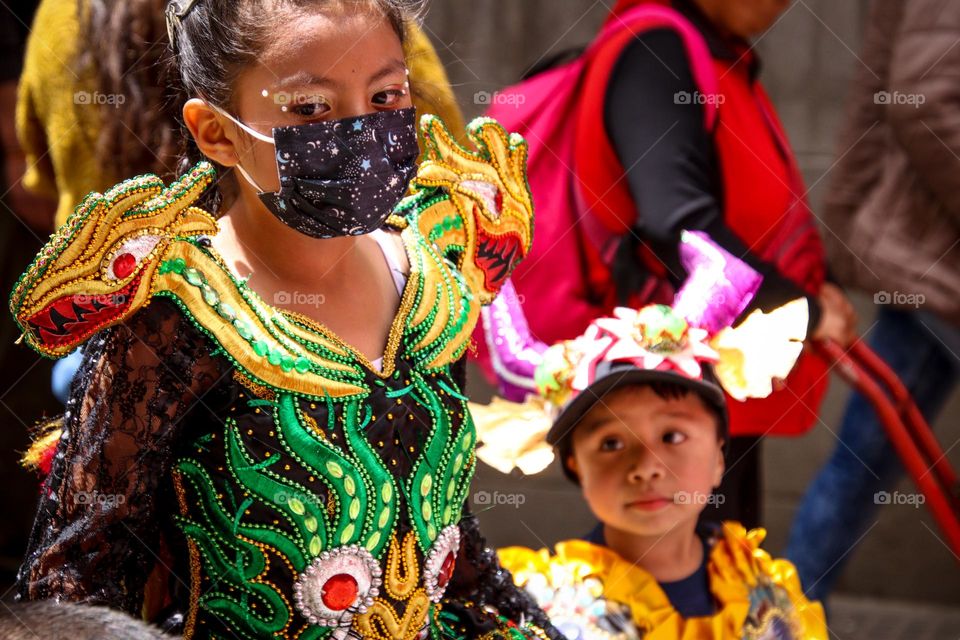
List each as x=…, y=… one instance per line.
x=467, y=224
x=592, y=593
x=139, y=240
x=471, y=212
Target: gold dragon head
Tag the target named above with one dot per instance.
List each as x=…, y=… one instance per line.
x=489, y=189
x=97, y=269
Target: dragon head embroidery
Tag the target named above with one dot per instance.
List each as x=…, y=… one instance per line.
x=98, y=268
x=494, y=226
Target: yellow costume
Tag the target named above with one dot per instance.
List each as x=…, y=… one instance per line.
x=590, y=589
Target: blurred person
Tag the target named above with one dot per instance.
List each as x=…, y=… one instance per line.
x=52, y=620
x=893, y=208
x=674, y=131
x=25, y=219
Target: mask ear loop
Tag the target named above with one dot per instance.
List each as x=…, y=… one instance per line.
x=253, y=132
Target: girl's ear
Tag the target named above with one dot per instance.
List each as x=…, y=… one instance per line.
x=208, y=130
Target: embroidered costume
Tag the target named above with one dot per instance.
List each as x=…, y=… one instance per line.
x=276, y=482
x=591, y=592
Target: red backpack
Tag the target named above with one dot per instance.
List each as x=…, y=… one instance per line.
x=577, y=231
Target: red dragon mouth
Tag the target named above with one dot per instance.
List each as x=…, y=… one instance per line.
x=497, y=255
x=72, y=319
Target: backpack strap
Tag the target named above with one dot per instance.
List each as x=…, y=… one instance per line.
x=609, y=203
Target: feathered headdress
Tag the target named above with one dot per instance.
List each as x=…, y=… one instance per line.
x=542, y=385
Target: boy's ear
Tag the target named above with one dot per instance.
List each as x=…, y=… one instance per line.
x=721, y=465
x=571, y=463
x=208, y=130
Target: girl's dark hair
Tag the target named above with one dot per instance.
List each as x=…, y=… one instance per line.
x=124, y=46
x=213, y=40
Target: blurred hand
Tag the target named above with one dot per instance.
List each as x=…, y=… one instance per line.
x=35, y=212
x=838, y=320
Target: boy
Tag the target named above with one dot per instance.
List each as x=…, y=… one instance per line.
x=644, y=439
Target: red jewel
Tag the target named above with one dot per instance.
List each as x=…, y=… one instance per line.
x=340, y=592
x=123, y=265
x=499, y=201
x=446, y=570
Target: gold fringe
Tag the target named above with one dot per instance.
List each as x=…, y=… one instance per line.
x=47, y=435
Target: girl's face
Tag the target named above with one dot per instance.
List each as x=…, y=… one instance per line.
x=647, y=464
x=319, y=66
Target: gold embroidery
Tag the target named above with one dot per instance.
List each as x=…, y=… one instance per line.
x=380, y=621
x=195, y=586
x=257, y=390
x=403, y=572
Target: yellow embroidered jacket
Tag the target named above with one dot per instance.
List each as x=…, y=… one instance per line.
x=590, y=592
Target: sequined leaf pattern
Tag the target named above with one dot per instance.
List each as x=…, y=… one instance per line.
x=263, y=343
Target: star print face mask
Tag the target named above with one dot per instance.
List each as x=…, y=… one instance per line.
x=340, y=178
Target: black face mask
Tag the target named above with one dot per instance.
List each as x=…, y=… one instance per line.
x=341, y=178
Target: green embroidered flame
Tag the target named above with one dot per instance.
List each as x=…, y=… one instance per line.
x=361, y=492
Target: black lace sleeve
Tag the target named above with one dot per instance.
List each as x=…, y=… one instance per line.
x=96, y=535
x=479, y=578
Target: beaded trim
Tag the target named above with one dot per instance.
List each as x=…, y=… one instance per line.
x=352, y=561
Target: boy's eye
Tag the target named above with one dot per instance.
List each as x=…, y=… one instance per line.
x=388, y=97
x=611, y=444
x=674, y=437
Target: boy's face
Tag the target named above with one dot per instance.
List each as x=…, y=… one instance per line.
x=647, y=464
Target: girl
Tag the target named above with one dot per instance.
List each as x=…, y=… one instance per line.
x=276, y=446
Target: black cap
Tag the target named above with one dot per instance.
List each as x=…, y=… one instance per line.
x=611, y=376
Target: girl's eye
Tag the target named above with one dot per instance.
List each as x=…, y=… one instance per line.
x=388, y=97
x=674, y=437
x=611, y=444
x=311, y=109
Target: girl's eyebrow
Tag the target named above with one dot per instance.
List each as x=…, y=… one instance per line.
x=394, y=66
x=304, y=78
